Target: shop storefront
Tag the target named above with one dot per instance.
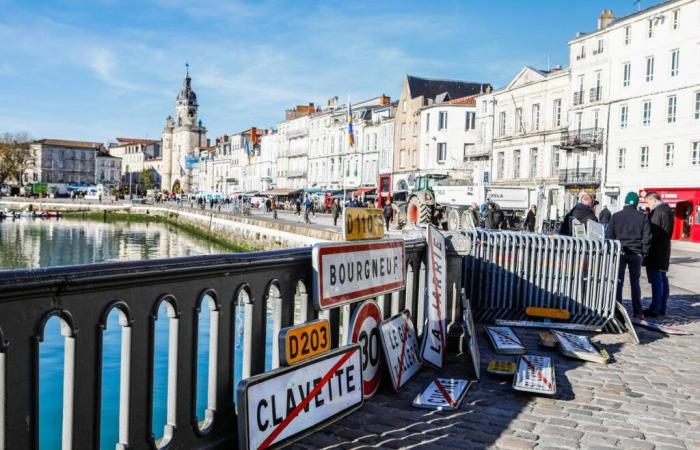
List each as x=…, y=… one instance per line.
x=686, y=210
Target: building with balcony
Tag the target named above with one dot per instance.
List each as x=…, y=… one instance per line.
x=137, y=155
x=108, y=169
x=293, y=148
x=63, y=161
x=651, y=75
x=417, y=93
x=528, y=121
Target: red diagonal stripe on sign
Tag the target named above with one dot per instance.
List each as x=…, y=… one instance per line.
x=574, y=342
x=404, y=338
x=444, y=393
x=538, y=372
x=506, y=337
x=295, y=412
x=437, y=293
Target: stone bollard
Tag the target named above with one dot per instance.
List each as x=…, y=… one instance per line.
x=459, y=246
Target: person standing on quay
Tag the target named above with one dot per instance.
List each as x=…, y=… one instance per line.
x=582, y=211
x=335, y=211
x=632, y=229
x=657, y=261
x=530, y=219
x=388, y=214
x=307, y=209
x=604, y=216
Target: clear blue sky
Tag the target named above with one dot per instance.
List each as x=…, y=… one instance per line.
x=94, y=70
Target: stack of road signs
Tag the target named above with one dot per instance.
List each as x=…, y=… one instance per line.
x=575, y=346
x=535, y=374
x=283, y=405
x=469, y=342
x=434, y=332
x=442, y=394
x=400, y=348
x=666, y=329
x=500, y=367
x=364, y=330
x=504, y=341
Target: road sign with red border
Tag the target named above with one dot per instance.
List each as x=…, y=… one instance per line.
x=352, y=271
x=283, y=405
x=433, y=341
x=442, y=394
x=400, y=348
x=364, y=330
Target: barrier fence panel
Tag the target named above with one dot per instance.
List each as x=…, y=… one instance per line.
x=507, y=272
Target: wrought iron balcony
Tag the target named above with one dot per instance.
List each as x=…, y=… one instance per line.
x=580, y=176
x=596, y=93
x=296, y=174
x=583, y=138
x=578, y=98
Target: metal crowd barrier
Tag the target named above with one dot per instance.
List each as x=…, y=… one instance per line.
x=506, y=272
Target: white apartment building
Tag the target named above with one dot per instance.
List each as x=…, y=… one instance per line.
x=448, y=134
x=259, y=174
x=380, y=133
x=653, y=64
x=293, y=150
x=137, y=154
x=108, y=169
x=529, y=116
x=478, y=156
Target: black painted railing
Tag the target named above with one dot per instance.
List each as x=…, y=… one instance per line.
x=586, y=137
x=583, y=175
x=82, y=297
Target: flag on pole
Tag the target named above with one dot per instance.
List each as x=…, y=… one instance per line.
x=351, y=135
x=246, y=147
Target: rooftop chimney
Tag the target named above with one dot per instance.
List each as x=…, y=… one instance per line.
x=605, y=18
x=384, y=100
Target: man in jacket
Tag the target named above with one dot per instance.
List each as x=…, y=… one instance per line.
x=530, y=219
x=632, y=229
x=604, y=216
x=582, y=211
x=335, y=211
x=657, y=261
x=388, y=214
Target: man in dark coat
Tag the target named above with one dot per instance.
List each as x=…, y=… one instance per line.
x=582, y=211
x=659, y=256
x=388, y=214
x=632, y=229
x=604, y=216
x=530, y=219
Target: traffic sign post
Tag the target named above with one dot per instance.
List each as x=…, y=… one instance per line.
x=364, y=330
x=363, y=223
x=433, y=343
x=301, y=342
x=345, y=273
x=400, y=348
x=442, y=394
x=283, y=405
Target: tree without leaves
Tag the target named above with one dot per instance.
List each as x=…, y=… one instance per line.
x=15, y=156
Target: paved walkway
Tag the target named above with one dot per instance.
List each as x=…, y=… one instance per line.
x=648, y=397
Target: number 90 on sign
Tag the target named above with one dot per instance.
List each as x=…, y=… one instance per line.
x=301, y=342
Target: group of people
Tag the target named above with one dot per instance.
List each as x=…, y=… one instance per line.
x=646, y=241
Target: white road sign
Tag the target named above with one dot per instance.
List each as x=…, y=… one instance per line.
x=576, y=346
x=364, y=330
x=283, y=405
x=433, y=344
x=505, y=341
x=470, y=343
x=535, y=374
x=400, y=348
x=351, y=271
x=442, y=394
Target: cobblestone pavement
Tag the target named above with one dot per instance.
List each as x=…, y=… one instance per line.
x=647, y=397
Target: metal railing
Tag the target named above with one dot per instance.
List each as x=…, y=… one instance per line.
x=82, y=297
x=578, y=98
x=585, y=137
x=585, y=175
x=596, y=93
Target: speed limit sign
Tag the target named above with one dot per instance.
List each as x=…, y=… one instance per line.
x=364, y=331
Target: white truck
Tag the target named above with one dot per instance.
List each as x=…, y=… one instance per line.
x=454, y=200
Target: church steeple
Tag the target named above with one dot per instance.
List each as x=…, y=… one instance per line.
x=186, y=105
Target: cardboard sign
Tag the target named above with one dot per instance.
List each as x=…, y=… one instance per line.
x=283, y=405
x=442, y=394
x=301, y=342
x=400, y=348
x=364, y=330
x=349, y=272
x=433, y=343
x=363, y=223
x=470, y=343
x=578, y=230
x=620, y=311
x=535, y=374
x=505, y=341
x=575, y=346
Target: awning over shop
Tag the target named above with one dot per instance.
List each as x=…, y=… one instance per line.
x=360, y=191
x=282, y=192
x=313, y=190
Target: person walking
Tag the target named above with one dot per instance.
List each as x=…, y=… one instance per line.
x=604, y=216
x=307, y=209
x=657, y=261
x=582, y=211
x=388, y=214
x=335, y=211
x=530, y=219
x=632, y=229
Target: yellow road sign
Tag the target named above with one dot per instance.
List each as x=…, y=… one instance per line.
x=363, y=223
x=301, y=342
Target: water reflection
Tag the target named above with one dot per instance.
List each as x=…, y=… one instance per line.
x=31, y=243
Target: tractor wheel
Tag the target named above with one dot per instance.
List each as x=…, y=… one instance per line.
x=417, y=211
x=453, y=220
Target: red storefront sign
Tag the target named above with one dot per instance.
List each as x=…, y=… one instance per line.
x=686, y=205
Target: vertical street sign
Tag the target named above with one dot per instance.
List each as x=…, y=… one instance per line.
x=400, y=348
x=283, y=405
x=433, y=343
x=364, y=330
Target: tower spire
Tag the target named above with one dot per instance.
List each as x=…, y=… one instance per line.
x=187, y=68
